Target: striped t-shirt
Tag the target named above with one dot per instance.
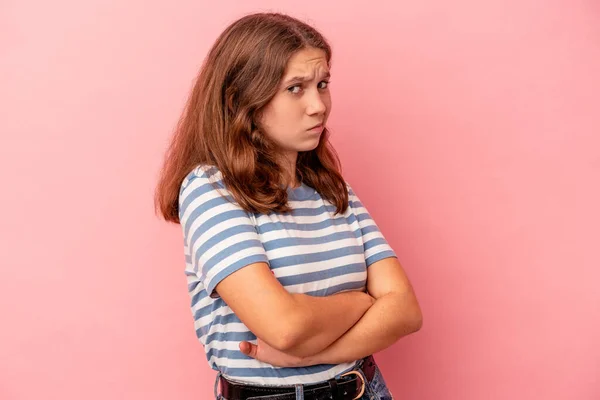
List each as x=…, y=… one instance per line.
x=309, y=250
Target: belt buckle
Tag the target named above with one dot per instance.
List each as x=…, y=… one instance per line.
x=362, y=390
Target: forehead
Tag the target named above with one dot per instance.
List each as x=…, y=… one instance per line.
x=307, y=62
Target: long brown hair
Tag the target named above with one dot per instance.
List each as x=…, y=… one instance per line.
x=237, y=80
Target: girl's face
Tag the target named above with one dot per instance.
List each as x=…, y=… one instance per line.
x=294, y=119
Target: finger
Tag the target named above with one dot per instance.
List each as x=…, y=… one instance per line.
x=245, y=347
x=248, y=349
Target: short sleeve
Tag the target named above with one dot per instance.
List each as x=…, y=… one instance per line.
x=375, y=245
x=220, y=236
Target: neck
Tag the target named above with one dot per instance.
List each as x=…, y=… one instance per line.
x=290, y=180
x=288, y=164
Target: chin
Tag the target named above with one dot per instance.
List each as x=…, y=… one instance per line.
x=309, y=148
x=302, y=147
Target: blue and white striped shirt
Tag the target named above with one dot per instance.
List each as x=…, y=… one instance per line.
x=309, y=250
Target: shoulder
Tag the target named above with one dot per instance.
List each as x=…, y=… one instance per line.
x=202, y=179
x=351, y=193
x=202, y=189
x=202, y=174
x=348, y=187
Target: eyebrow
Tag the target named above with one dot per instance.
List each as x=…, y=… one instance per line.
x=304, y=78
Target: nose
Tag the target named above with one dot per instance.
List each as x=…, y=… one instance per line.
x=316, y=104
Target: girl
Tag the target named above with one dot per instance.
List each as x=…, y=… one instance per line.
x=292, y=285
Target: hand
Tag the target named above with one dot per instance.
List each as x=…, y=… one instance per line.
x=261, y=351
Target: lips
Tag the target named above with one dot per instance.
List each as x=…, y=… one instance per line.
x=316, y=126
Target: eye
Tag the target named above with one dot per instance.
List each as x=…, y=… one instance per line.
x=294, y=89
x=323, y=84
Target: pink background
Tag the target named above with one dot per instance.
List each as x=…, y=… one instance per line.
x=470, y=130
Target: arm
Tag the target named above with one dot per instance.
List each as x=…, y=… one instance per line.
x=396, y=313
x=295, y=323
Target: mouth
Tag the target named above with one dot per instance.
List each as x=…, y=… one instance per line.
x=316, y=127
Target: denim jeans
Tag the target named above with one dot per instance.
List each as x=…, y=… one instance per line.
x=375, y=390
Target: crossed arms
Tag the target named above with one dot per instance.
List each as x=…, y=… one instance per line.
x=299, y=330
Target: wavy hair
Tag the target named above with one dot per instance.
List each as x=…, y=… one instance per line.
x=238, y=78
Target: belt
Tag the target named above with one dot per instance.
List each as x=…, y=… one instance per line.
x=350, y=385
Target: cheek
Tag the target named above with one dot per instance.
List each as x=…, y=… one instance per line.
x=278, y=113
x=327, y=101
x=275, y=123
x=269, y=119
